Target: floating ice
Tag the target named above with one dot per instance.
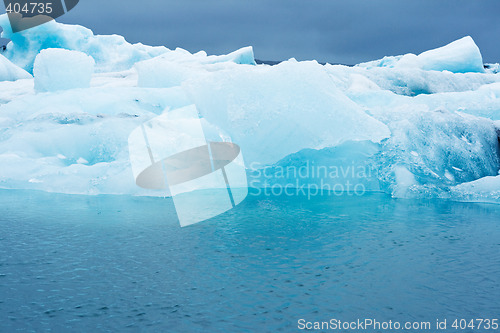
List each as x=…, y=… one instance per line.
x=59, y=69
x=412, y=126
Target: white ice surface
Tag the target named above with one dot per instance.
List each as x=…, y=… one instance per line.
x=11, y=72
x=111, y=53
x=460, y=56
x=60, y=69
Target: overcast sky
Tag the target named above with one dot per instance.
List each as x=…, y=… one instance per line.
x=348, y=31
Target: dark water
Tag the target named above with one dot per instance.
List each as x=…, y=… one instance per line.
x=113, y=263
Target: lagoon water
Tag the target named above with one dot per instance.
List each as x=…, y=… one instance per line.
x=120, y=263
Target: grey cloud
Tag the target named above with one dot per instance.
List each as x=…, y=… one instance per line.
x=327, y=30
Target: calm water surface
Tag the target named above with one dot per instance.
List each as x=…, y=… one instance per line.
x=119, y=263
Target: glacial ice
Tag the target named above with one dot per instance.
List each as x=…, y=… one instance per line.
x=111, y=53
x=460, y=56
x=413, y=125
x=486, y=189
x=173, y=68
x=10, y=72
x=440, y=148
x=253, y=106
x=60, y=69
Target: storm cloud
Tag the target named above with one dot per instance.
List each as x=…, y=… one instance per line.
x=349, y=31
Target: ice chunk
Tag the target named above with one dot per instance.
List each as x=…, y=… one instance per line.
x=10, y=72
x=481, y=190
x=460, y=56
x=243, y=56
x=59, y=69
x=111, y=53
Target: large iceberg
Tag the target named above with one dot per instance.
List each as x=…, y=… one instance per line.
x=413, y=125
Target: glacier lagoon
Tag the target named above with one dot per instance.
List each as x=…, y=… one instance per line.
x=122, y=263
x=99, y=252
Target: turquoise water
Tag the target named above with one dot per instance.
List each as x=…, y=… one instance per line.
x=119, y=263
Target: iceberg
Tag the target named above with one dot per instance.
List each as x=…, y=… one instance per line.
x=460, y=56
x=413, y=126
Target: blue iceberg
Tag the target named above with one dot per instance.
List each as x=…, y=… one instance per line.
x=419, y=125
